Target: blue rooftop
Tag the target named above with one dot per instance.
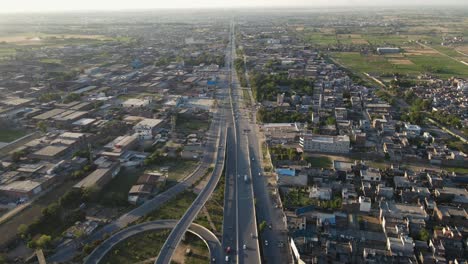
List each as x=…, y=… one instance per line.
x=286, y=172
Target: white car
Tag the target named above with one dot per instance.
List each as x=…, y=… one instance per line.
x=244, y=246
x=266, y=242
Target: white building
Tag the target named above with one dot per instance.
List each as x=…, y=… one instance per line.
x=322, y=193
x=412, y=130
x=388, y=50
x=136, y=103
x=330, y=144
x=370, y=175
x=146, y=128
x=364, y=204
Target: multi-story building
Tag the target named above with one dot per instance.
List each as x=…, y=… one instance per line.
x=321, y=143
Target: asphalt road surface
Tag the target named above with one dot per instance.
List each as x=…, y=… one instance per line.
x=239, y=225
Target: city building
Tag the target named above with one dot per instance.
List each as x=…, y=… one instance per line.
x=321, y=143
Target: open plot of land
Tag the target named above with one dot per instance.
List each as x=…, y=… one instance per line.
x=400, y=61
x=462, y=49
x=116, y=191
x=29, y=215
x=414, y=62
x=174, y=209
x=139, y=248
x=321, y=39
x=199, y=253
x=351, y=38
x=319, y=161
x=214, y=209
x=7, y=135
x=188, y=122
x=6, y=51
x=32, y=38
x=178, y=169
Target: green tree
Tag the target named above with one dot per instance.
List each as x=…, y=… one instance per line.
x=42, y=126
x=424, y=235
x=331, y=121
x=43, y=242
x=261, y=226
x=72, y=198
x=22, y=230
x=71, y=97
x=291, y=153
x=17, y=155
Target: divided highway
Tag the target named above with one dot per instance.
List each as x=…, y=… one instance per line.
x=274, y=238
x=239, y=226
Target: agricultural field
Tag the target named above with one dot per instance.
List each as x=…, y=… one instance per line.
x=411, y=62
x=43, y=38
x=439, y=49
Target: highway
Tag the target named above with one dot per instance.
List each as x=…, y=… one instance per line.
x=239, y=224
x=266, y=197
x=212, y=242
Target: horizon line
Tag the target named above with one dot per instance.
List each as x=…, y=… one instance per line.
x=227, y=8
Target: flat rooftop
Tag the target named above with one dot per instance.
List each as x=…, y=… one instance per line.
x=50, y=151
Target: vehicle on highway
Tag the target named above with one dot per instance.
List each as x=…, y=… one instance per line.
x=270, y=226
x=244, y=246
x=266, y=242
x=259, y=174
x=228, y=250
x=227, y=258
x=253, y=159
x=246, y=178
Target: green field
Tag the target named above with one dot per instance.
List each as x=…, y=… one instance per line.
x=144, y=247
x=141, y=247
x=441, y=65
x=9, y=228
x=7, y=135
x=174, y=209
x=51, y=61
x=214, y=206
x=200, y=253
x=6, y=52
x=116, y=192
x=319, y=162
x=191, y=123
x=178, y=169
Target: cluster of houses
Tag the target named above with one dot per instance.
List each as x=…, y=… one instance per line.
x=355, y=213
x=108, y=118
x=371, y=215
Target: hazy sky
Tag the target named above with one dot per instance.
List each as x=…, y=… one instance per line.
x=14, y=6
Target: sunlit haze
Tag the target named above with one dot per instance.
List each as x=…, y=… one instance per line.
x=60, y=5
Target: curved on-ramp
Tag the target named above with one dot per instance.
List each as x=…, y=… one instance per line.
x=210, y=239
